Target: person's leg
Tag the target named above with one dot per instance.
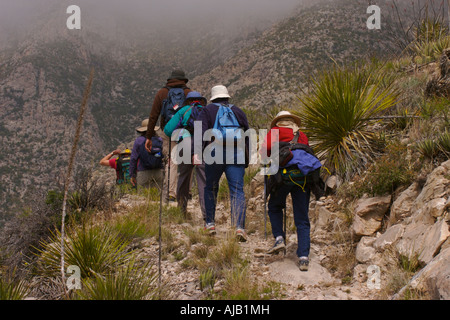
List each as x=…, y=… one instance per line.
x=143, y=179
x=300, y=204
x=213, y=172
x=275, y=206
x=201, y=182
x=235, y=177
x=184, y=183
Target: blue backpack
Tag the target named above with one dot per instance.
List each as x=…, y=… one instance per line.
x=173, y=103
x=226, y=121
x=152, y=160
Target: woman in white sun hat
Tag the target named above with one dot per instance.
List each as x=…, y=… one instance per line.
x=234, y=170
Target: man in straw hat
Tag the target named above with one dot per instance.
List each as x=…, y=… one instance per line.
x=177, y=79
x=146, y=169
x=285, y=127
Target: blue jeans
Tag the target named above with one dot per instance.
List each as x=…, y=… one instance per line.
x=300, y=204
x=235, y=177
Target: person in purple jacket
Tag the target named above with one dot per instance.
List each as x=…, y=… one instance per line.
x=234, y=171
x=140, y=175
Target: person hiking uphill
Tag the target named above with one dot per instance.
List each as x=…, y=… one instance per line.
x=234, y=170
x=165, y=104
x=146, y=169
x=288, y=126
x=184, y=120
x=121, y=165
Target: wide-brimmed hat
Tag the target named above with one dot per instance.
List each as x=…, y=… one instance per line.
x=219, y=91
x=144, y=126
x=178, y=74
x=194, y=95
x=285, y=115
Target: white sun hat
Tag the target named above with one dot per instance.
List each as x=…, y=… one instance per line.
x=219, y=91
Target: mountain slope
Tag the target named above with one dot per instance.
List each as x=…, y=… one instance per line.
x=269, y=72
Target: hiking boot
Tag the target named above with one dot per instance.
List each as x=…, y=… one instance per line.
x=211, y=228
x=303, y=263
x=171, y=199
x=241, y=236
x=277, y=247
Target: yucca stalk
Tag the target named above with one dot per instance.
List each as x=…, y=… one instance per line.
x=70, y=169
x=338, y=113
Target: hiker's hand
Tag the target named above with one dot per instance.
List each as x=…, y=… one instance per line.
x=133, y=181
x=116, y=152
x=196, y=160
x=148, y=145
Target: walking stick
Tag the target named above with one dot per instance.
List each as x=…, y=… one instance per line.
x=168, y=169
x=265, y=207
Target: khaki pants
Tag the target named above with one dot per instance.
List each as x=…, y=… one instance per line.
x=150, y=178
x=173, y=167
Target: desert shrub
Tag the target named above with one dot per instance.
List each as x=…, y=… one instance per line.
x=339, y=112
x=97, y=249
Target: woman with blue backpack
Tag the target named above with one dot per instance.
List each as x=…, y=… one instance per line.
x=220, y=117
x=184, y=120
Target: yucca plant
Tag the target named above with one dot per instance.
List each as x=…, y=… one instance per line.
x=129, y=282
x=338, y=114
x=12, y=289
x=93, y=249
x=444, y=142
x=428, y=148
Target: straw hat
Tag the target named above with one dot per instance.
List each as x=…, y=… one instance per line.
x=285, y=115
x=219, y=92
x=144, y=126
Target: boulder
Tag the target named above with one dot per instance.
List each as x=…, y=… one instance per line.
x=365, y=253
x=434, y=279
x=389, y=237
x=368, y=215
x=422, y=240
x=402, y=206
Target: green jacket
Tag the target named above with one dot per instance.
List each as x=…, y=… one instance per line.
x=170, y=127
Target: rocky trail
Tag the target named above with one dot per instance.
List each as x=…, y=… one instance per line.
x=411, y=227
x=318, y=283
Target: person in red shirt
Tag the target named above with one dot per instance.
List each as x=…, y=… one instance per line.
x=287, y=126
x=109, y=161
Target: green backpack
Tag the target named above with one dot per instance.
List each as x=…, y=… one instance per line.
x=123, y=169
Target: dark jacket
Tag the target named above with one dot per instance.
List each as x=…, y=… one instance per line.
x=155, y=112
x=208, y=118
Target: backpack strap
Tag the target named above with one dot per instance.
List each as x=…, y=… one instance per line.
x=296, y=137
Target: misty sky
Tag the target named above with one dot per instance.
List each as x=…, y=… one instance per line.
x=20, y=12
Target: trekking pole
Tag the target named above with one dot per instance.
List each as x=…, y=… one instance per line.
x=265, y=207
x=284, y=226
x=159, y=236
x=168, y=169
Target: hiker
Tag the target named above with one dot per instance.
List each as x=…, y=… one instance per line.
x=184, y=120
x=120, y=164
x=288, y=126
x=146, y=169
x=165, y=104
x=234, y=170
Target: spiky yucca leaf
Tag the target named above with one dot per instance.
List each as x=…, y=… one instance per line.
x=338, y=113
x=92, y=249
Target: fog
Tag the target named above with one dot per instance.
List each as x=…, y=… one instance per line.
x=17, y=16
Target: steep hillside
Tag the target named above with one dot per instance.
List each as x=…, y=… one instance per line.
x=44, y=71
x=270, y=72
